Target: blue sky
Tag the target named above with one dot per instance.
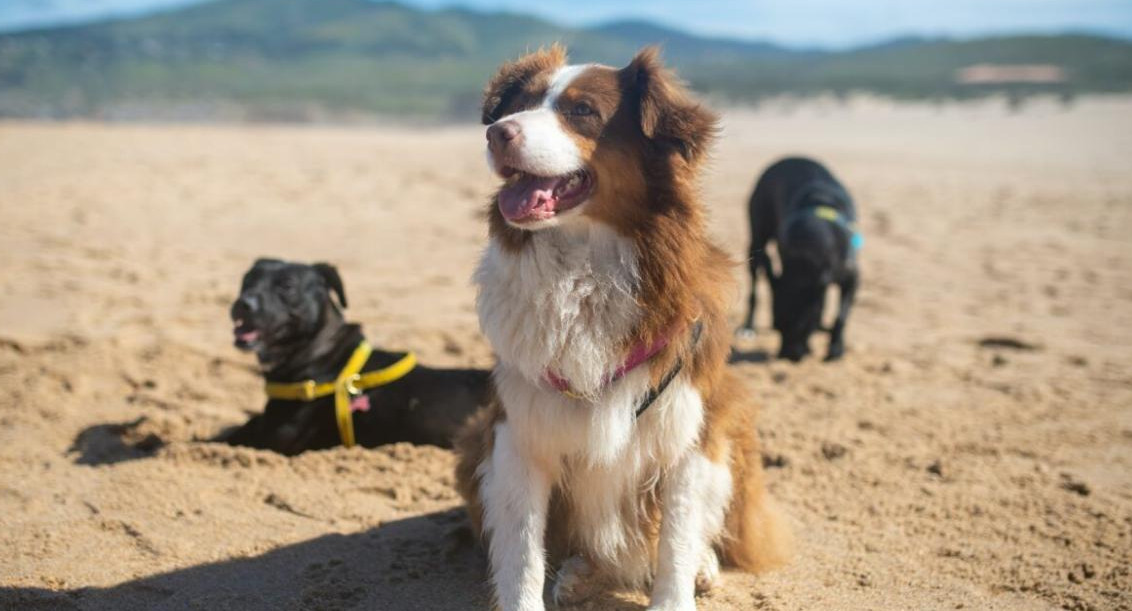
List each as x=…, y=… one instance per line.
x=824, y=23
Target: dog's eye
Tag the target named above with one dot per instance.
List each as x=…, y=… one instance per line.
x=581, y=109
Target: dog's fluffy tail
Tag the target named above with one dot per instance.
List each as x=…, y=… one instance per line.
x=760, y=539
x=758, y=536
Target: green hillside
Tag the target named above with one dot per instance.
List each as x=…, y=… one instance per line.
x=920, y=69
x=282, y=58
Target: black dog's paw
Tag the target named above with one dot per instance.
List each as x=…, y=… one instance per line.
x=836, y=351
x=793, y=355
x=745, y=334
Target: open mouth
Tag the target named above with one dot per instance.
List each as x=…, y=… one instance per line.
x=526, y=198
x=245, y=334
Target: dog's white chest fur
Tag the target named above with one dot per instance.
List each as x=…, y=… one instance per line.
x=567, y=302
x=564, y=302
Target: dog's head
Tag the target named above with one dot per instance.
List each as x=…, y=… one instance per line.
x=804, y=249
x=283, y=305
x=577, y=142
x=797, y=312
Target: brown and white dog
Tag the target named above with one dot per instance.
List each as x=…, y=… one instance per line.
x=619, y=444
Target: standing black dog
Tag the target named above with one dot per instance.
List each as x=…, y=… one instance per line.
x=285, y=315
x=811, y=217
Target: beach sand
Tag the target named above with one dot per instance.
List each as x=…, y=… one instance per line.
x=972, y=451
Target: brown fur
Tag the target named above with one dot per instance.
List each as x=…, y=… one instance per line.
x=474, y=444
x=520, y=83
x=644, y=153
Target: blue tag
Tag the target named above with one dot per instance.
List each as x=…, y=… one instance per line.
x=857, y=241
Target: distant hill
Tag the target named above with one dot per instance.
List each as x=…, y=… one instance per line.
x=911, y=68
x=293, y=59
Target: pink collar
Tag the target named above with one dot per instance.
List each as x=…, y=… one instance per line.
x=638, y=355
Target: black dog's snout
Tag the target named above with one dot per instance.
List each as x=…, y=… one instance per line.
x=245, y=306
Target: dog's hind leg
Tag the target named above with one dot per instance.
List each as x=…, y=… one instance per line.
x=758, y=259
x=576, y=581
x=848, y=289
x=709, y=571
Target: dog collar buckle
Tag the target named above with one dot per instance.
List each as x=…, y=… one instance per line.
x=308, y=390
x=350, y=384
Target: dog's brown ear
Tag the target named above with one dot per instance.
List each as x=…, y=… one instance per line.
x=513, y=76
x=333, y=281
x=668, y=115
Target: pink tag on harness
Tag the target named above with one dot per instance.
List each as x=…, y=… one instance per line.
x=359, y=403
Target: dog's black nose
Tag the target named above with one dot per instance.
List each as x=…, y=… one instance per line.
x=244, y=306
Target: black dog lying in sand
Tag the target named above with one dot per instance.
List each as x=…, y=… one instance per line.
x=325, y=385
x=811, y=217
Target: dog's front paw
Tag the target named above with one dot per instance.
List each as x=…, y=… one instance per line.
x=575, y=582
x=836, y=351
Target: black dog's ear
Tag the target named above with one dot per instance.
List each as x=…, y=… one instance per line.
x=329, y=273
x=668, y=115
x=265, y=261
x=513, y=76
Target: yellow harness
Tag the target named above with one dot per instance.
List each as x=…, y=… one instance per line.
x=833, y=215
x=351, y=382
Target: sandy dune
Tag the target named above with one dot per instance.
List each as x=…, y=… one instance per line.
x=973, y=450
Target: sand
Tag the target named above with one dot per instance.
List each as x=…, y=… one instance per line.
x=973, y=450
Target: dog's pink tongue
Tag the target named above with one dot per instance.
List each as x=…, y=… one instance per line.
x=530, y=196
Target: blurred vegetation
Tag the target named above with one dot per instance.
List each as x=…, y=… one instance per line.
x=294, y=59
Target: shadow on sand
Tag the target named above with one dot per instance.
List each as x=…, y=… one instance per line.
x=748, y=356
x=418, y=563
x=423, y=563
x=114, y=442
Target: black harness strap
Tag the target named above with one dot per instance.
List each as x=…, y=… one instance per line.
x=656, y=391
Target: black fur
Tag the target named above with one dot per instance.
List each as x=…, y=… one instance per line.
x=300, y=334
x=813, y=252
